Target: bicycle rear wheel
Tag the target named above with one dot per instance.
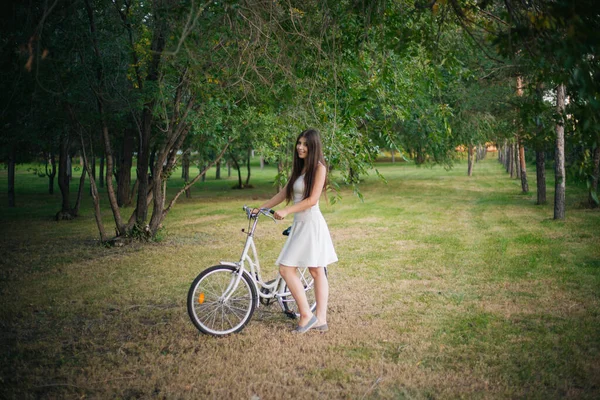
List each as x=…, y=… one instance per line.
x=289, y=304
x=207, y=307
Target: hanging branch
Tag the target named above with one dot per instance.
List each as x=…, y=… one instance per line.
x=196, y=179
x=462, y=19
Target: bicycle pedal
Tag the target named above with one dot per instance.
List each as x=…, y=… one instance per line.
x=290, y=314
x=266, y=302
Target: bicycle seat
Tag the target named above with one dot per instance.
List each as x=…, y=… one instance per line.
x=287, y=231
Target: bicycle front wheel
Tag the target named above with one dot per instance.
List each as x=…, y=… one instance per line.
x=289, y=304
x=215, y=306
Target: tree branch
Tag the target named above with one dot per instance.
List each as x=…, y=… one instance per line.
x=196, y=179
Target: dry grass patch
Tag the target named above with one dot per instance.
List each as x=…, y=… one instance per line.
x=447, y=287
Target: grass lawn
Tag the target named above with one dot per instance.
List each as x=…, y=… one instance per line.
x=447, y=287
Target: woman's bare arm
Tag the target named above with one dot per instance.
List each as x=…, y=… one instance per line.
x=275, y=200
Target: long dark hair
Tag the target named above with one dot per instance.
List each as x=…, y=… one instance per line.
x=315, y=155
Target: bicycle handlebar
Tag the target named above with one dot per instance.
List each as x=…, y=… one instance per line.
x=265, y=211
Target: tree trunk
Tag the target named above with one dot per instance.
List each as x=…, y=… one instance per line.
x=134, y=190
x=165, y=154
x=353, y=176
x=559, y=166
x=248, y=168
x=540, y=155
x=159, y=192
x=228, y=169
x=470, y=160
x=185, y=171
x=166, y=158
x=75, y=210
x=419, y=157
x=101, y=172
x=50, y=159
x=110, y=190
x=152, y=68
x=91, y=171
x=94, y=192
x=540, y=170
x=109, y=176
x=218, y=170
x=11, y=177
x=124, y=171
x=482, y=154
x=143, y=161
x=594, y=181
x=65, y=213
x=523, y=168
x=511, y=163
x=157, y=46
x=507, y=156
x=237, y=167
x=63, y=178
x=517, y=158
x=69, y=166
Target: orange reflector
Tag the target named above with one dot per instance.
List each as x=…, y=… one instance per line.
x=201, y=298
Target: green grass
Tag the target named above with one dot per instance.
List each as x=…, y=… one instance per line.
x=447, y=287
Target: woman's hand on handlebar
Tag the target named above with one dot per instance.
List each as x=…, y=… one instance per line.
x=281, y=214
x=253, y=212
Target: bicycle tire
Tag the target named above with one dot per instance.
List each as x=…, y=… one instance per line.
x=289, y=303
x=206, y=308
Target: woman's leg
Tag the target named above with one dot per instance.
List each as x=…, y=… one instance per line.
x=297, y=289
x=321, y=293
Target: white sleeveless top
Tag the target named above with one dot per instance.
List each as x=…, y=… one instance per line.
x=309, y=243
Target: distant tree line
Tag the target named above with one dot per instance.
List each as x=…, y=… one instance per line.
x=164, y=84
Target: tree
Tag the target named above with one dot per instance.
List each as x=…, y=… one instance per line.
x=17, y=112
x=549, y=42
x=162, y=78
x=559, y=186
x=520, y=146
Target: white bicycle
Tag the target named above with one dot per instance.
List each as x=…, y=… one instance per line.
x=223, y=298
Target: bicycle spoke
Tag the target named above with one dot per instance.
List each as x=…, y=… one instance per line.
x=211, y=312
x=216, y=291
x=237, y=311
x=227, y=318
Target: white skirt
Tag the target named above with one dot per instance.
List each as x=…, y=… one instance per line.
x=309, y=243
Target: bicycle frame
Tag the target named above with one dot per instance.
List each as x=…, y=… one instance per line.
x=250, y=256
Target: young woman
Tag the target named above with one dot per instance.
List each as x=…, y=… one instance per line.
x=309, y=243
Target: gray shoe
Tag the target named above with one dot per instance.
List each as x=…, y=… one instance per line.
x=321, y=328
x=302, y=329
